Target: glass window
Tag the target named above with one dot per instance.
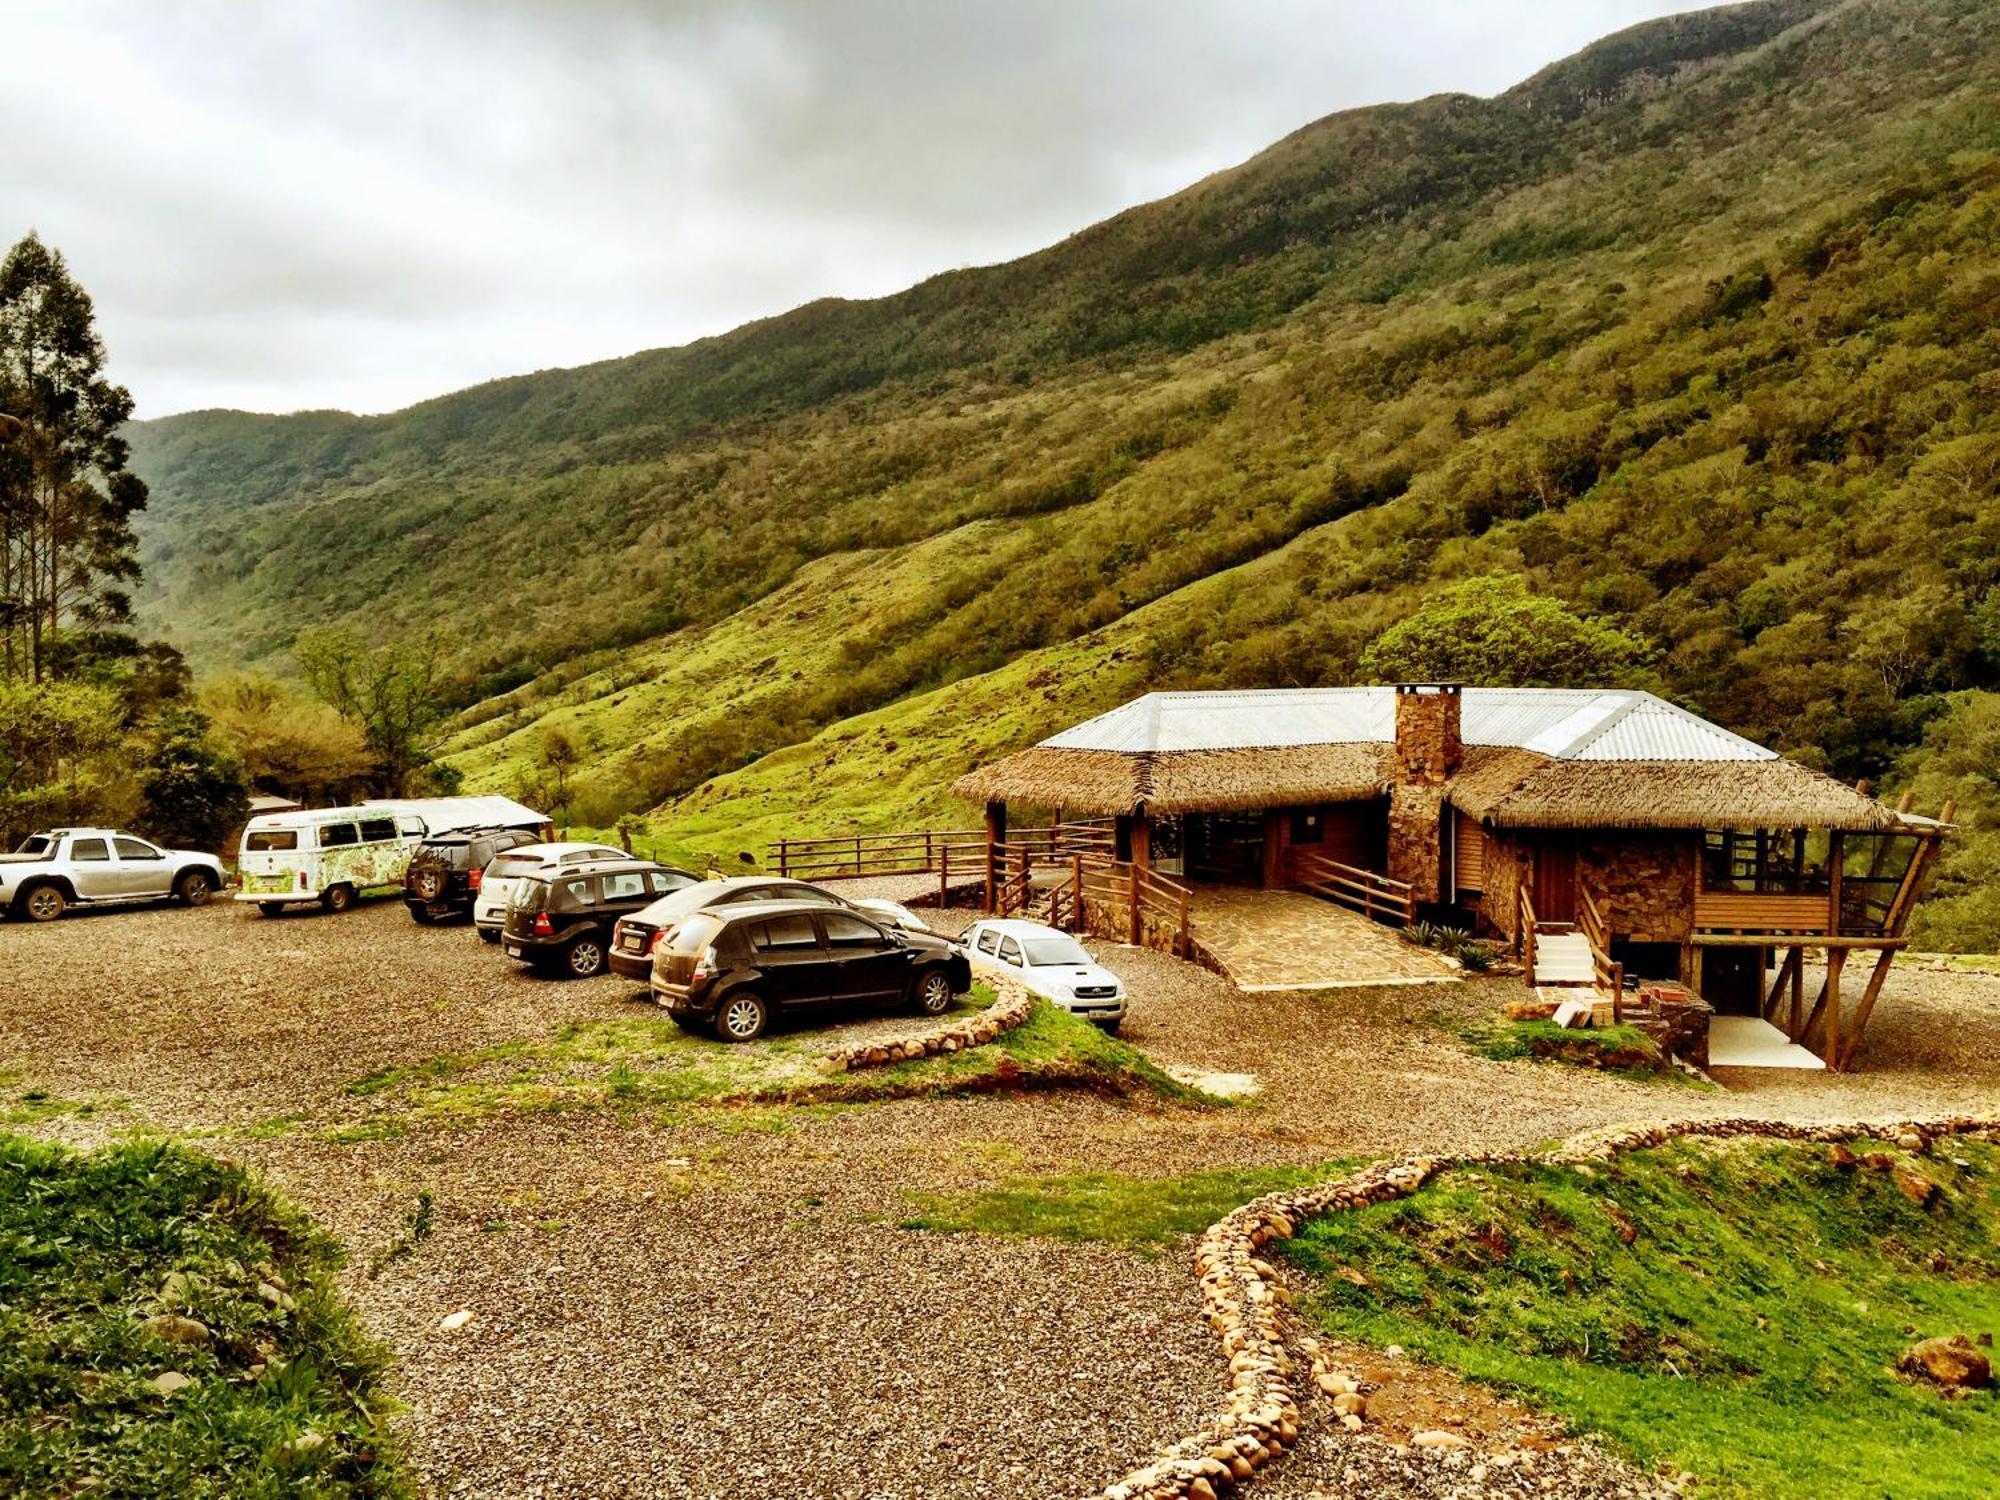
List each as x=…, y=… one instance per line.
x=377, y=830
x=695, y=934
x=989, y=941
x=665, y=882
x=624, y=885
x=1056, y=951
x=796, y=893
x=580, y=892
x=90, y=850
x=843, y=931
x=1010, y=952
x=267, y=840
x=338, y=836
x=37, y=843
x=413, y=827
x=134, y=849
x=784, y=934
x=532, y=895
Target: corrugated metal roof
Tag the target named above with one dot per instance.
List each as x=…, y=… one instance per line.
x=1562, y=723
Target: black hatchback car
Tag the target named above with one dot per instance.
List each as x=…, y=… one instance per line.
x=562, y=922
x=442, y=880
x=733, y=967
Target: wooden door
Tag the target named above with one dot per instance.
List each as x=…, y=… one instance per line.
x=1555, y=880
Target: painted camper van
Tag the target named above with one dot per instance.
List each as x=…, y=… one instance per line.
x=331, y=856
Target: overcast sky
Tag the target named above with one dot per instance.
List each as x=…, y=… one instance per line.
x=361, y=203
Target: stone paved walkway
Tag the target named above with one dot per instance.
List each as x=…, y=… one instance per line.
x=1285, y=940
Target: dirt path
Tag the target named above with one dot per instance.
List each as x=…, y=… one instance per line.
x=724, y=1303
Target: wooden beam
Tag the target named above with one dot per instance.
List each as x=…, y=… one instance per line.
x=1836, y=960
x=1798, y=991
x=1812, y=1020
x=1864, y=1009
x=1836, y=869
x=996, y=840
x=1785, y=966
x=1805, y=939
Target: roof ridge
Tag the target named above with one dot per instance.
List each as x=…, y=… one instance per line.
x=1633, y=697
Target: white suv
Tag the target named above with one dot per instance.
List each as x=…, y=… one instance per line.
x=506, y=871
x=1050, y=963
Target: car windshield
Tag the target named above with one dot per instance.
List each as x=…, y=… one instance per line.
x=264, y=840
x=512, y=867
x=686, y=900
x=37, y=843
x=1046, y=951
x=532, y=895
x=694, y=934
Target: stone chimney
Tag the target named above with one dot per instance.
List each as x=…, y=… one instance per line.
x=1429, y=739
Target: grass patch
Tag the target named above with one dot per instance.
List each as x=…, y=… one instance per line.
x=1142, y=1212
x=1730, y=1310
x=1623, y=1051
x=648, y=1063
x=88, y=1244
x=27, y=1105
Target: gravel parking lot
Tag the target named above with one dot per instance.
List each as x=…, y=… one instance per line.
x=721, y=1302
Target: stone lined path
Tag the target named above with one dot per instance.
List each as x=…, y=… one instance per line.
x=1285, y=940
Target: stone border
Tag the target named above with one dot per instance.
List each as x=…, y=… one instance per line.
x=1013, y=1007
x=1246, y=1301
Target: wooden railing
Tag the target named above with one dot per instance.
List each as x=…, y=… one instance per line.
x=1594, y=923
x=1132, y=903
x=877, y=854
x=1374, y=896
x=1525, y=922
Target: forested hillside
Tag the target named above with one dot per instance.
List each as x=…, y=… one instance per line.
x=1696, y=331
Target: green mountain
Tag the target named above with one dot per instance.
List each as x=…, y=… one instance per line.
x=1695, y=330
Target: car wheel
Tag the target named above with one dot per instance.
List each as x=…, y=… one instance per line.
x=338, y=898
x=271, y=908
x=932, y=992
x=43, y=904
x=584, y=957
x=430, y=884
x=194, y=888
x=741, y=1017
x=489, y=934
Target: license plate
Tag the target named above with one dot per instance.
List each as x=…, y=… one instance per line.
x=513, y=950
x=633, y=945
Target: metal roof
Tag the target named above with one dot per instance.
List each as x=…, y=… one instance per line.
x=1613, y=724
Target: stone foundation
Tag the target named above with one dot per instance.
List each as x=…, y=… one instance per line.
x=1247, y=1304
x=1013, y=1007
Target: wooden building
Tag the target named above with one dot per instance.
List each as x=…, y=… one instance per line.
x=1685, y=851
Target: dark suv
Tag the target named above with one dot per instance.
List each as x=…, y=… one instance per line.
x=733, y=967
x=443, y=877
x=563, y=922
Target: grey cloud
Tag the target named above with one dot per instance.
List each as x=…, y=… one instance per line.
x=359, y=202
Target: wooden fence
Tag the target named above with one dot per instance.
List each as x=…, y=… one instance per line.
x=1594, y=922
x=1376, y=897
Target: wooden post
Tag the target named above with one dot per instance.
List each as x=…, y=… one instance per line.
x=1869, y=995
x=784, y=857
x=1798, y=991
x=1142, y=841
x=1836, y=861
x=1836, y=959
x=944, y=875
x=1185, y=943
x=996, y=839
x=1138, y=929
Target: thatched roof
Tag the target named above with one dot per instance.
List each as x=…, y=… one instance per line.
x=1105, y=783
x=1533, y=758
x=1518, y=789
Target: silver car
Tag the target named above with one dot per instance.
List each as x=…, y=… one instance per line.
x=65, y=867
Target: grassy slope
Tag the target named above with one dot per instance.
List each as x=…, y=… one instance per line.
x=1747, y=1333
x=87, y=1243
x=1694, y=330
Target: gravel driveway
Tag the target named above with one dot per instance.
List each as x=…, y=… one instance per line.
x=723, y=1304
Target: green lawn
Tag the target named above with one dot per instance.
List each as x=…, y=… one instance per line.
x=1746, y=1333
x=283, y=1399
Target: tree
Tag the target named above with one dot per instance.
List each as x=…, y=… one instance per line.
x=67, y=549
x=1491, y=632
x=285, y=742
x=61, y=755
x=191, y=792
x=559, y=759
x=392, y=693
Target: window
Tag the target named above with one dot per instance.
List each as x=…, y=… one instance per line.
x=1010, y=952
x=843, y=931
x=793, y=893
x=1056, y=951
x=624, y=885
x=270, y=840
x=133, y=849
x=413, y=827
x=531, y=895
x=580, y=892
x=1307, y=825
x=664, y=882
x=89, y=850
x=513, y=869
x=693, y=935
x=989, y=941
x=378, y=830
x=784, y=935
x=338, y=836
x=37, y=843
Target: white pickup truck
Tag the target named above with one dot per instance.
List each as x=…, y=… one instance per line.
x=66, y=867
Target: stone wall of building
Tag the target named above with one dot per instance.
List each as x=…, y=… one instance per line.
x=1416, y=840
x=1500, y=905
x=1429, y=735
x=1645, y=883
